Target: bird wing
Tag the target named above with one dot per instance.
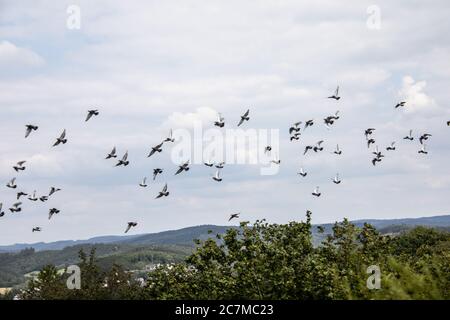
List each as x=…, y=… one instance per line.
x=128, y=228
x=165, y=188
x=89, y=115
x=20, y=163
x=113, y=151
x=63, y=135
x=125, y=156
x=337, y=91
x=246, y=113
x=240, y=122
x=27, y=132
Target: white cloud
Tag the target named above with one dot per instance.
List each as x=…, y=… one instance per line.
x=416, y=99
x=13, y=56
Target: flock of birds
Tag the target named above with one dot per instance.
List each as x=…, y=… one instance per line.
x=295, y=132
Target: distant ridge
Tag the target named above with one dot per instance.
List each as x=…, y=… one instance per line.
x=185, y=236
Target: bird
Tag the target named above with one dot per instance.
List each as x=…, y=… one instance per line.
x=220, y=121
x=337, y=151
x=163, y=192
x=21, y=194
x=217, y=177
x=143, y=184
x=91, y=113
x=244, y=117
x=320, y=229
x=19, y=166
x=309, y=123
x=29, y=128
x=16, y=207
x=209, y=163
x=53, y=190
x=335, y=95
x=169, y=138
x=423, y=137
x=156, y=172
x=375, y=160
x=318, y=146
x=220, y=165
x=183, y=167
x=234, y=216
x=336, y=179
x=307, y=148
x=409, y=137
x=368, y=132
x=391, y=147
x=400, y=104
x=156, y=148
x=276, y=160
x=12, y=184
x=33, y=197
x=267, y=149
x=295, y=127
x=296, y=136
x=62, y=139
x=370, y=141
x=448, y=123
x=36, y=229
x=423, y=150
x=130, y=225
x=316, y=192
x=2, y=213
x=378, y=153
x=330, y=119
x=51, y=212
x=43, y=198
x=124, y=161
x=302, y=172
x=112, y=154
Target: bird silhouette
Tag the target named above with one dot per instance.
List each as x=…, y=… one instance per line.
x=163, y=192
x=29, y=128
x=244, y=117
x=112, y=154
x=143, y=184
x=409, y=137
x=62, y=139
x=130, y=225
x=391, y=147
x=36, y=229
x=19, y=166
x=156, y=172
x=234, y=216
x=316, y=192
x=12, y=184
x=424, y=137
x=220, y=121
x=16, y=207
x=183, y=167
x=52, y=212
x=400, y=104
x=337, y=151
x=91, y=113
x=124, y=161
x=335, y=96
x=170, y=137
x=217, y=177
x=157, y=148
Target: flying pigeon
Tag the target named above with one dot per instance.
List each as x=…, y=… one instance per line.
x=309, y=123
x=370, y=141
x=423, y=150
x=130, y=225
x=36, y=229
x=2, y=213
x=318, y=146
x=91, y=113
x=62, y=139
x=43, y=198
x=302, y=172
x=21, y=194
x=307, y=148
x=368, y=132
x=244, y=117
x=409, y=137
x=33, y=197
x=156, y=172
x=51, y=212
x=183, y=167
x=53, y=190
x=335, y=95
x=320, y=229
x=163, y=192
x=220, y=121
x=423, y=137
x=220, y=165
x=29, y=129
x=170, y=138
x=336, y=179
x=19, y=166
x=391, y=147
x=143, y=184
x=296, y=136
x=448, y=123
x=316, y=192
x=12, y=184
x=276, y=160
x=267, y=149
x=337, y=151
x=124, y=160
x=217, y=177
x=112, y=154
x=208, y=164
x=400, y=104
x=155, y=149
x=16, y=207
x=234, y=216
x=295, y=127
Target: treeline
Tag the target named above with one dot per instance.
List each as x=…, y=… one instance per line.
x=271, y=261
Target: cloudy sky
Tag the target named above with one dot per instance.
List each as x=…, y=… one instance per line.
x=154, y=65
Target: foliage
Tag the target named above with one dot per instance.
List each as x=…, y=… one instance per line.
x=271, y=261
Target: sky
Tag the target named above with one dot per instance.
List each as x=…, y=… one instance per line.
x=149, y=66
